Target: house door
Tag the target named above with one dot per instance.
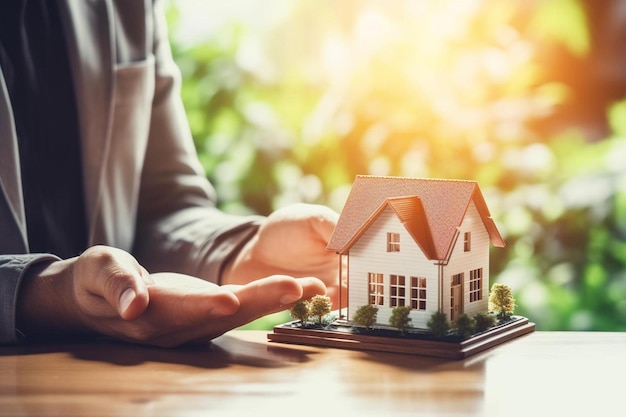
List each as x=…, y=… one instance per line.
x=456, y=296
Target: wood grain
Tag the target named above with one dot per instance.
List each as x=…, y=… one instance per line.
x=241, y=374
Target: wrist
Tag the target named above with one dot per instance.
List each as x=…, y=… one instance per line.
x=45, y=302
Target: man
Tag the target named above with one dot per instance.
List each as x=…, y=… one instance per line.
x=107, y=222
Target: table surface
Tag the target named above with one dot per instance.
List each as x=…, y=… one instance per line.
x=241, y=373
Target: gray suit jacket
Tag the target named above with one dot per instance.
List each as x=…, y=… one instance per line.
x=145, y=190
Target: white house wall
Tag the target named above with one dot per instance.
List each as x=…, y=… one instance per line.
x=464, y=262
x=370, y=254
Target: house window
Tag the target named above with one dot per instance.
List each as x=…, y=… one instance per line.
x=418, y=293
x=467, y=241
x=457, y=279
x=476, y=285
x=393, y=242
x=375, y=288
x=397, y=291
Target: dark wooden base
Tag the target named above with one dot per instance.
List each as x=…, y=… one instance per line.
x=288, y=333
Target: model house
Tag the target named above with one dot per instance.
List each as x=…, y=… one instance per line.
x=422, y=243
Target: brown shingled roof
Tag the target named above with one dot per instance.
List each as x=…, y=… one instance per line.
x=430, y=209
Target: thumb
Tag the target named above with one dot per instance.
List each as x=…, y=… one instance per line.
x=134, y=299
x=114, y=282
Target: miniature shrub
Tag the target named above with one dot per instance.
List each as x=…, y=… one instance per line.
x=329, y=319
x=319, y=306
x=464, y=325
x=400, y=318
x=501, y=300
x=438, y=324
x=483, y=321
x=300, y=311
x=366, y=315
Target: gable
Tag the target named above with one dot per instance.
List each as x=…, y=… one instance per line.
x=430, y=209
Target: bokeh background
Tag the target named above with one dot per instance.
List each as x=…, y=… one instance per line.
x=288, y=100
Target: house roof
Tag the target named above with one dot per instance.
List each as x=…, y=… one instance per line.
x=431, y=210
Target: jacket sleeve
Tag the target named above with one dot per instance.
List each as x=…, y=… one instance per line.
x=179, y=227
x=12, y=269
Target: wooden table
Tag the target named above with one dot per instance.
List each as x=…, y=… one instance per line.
x=241, y=374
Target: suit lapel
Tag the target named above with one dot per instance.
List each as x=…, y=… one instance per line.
x=91, y=46
x=10, y=177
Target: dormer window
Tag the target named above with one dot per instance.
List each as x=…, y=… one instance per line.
x=393, y=242
x=467, y=241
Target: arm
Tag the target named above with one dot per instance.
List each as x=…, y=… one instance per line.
x=178, y=226
x=12, y=271
x=107, y=291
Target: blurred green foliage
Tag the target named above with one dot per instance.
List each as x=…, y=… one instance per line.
x=485, y=90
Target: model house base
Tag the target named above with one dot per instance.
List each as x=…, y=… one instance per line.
x=340, y=334
x=414, y=256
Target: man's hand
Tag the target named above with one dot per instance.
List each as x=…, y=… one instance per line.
x=292, y=241
x=105, y=291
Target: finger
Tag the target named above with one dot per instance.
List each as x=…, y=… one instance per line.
x=273, y=294
x=265, y=296
x=117, y=278
x=336, y=297
x=312, y=287
x=256, y=299
x=194, y=319
x=194, y=308
x=185, y=302
x=200, y=318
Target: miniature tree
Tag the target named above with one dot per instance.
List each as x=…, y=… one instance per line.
x=400, y=318
x=483, y=321
x=300, y=311
x=438, y=324
x=319, y=306
x=501, y=300
x=464, y=325
x=366, y=315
